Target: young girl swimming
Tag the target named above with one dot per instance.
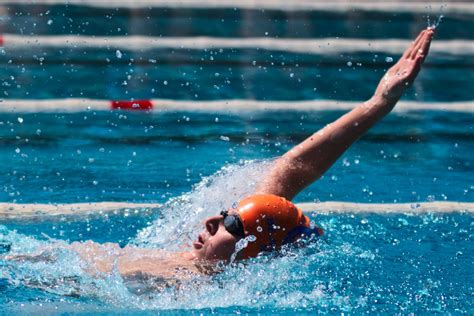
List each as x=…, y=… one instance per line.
x=267, y=219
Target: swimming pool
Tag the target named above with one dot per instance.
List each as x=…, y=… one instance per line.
x=193, y=163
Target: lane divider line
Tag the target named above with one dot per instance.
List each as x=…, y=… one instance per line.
x=430, y=7
x=214, y=106
x=28, y=211
x=305, y=46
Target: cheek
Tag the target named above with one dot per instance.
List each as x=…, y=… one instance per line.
x=221, y=248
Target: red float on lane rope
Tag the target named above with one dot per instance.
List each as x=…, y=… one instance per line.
x=1, y=40
x=142, y=105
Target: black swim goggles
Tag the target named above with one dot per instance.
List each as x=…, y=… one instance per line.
x=233, y=224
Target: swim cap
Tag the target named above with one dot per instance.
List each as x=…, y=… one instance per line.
x=274, y=221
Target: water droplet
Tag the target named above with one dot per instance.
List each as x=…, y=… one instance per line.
x=251, y=238
x=388, y=59
x=18, y=150
x=20, y=120
x=118, y=54
x=259, y=229
x=439, y=21
x=241, y=244
x=50, y=22
x=349, y=63
x=403, y=221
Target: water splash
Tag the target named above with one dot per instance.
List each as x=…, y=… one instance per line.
x=438, y=21
x=181, y=218
x=241, y=245
x=364, y=256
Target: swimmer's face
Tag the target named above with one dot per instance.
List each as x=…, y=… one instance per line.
x=215, y=242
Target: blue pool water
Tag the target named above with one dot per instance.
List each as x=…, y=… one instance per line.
x=397, y=263
x=197, y=163
x=68, y=158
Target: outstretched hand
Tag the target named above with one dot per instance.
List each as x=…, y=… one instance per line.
x=404, y=72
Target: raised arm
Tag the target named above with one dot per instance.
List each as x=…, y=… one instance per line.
x=308, y=161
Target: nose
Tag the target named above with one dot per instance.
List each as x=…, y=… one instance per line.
x=212, y=224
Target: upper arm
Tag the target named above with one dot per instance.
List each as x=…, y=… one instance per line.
x=286, y=177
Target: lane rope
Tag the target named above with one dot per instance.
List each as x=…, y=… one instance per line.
x=430, y=7
x=217, y=106
x=28, y=211
x=306, y=46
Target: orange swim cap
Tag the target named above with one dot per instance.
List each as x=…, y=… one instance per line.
x=274, y=221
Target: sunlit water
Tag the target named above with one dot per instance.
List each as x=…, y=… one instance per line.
x=396, y=263
x=384, y=263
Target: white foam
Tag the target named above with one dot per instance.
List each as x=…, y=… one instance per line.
x=220, y=106
x=464, y=7
x=183, y=215
x=28, y=211
x=307, y=46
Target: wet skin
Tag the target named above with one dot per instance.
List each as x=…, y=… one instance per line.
x=215, y=242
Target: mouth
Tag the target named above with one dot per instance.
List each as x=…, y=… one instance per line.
x=198, y=244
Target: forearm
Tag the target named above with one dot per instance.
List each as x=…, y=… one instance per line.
x=308, y=161
x=326, y=145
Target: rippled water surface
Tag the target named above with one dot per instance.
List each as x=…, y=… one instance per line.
x=146, y=157
x=365, y=263
x=195, y=164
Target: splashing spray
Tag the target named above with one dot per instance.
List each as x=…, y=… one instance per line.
x=438, y=21
x=242, y=244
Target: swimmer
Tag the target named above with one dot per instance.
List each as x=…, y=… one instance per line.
x=268, y=219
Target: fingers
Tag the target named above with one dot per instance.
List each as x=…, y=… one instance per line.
x=419, y=53
x=422, y=47
x=416, y=48
x=410, y=48
x=425, y=45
